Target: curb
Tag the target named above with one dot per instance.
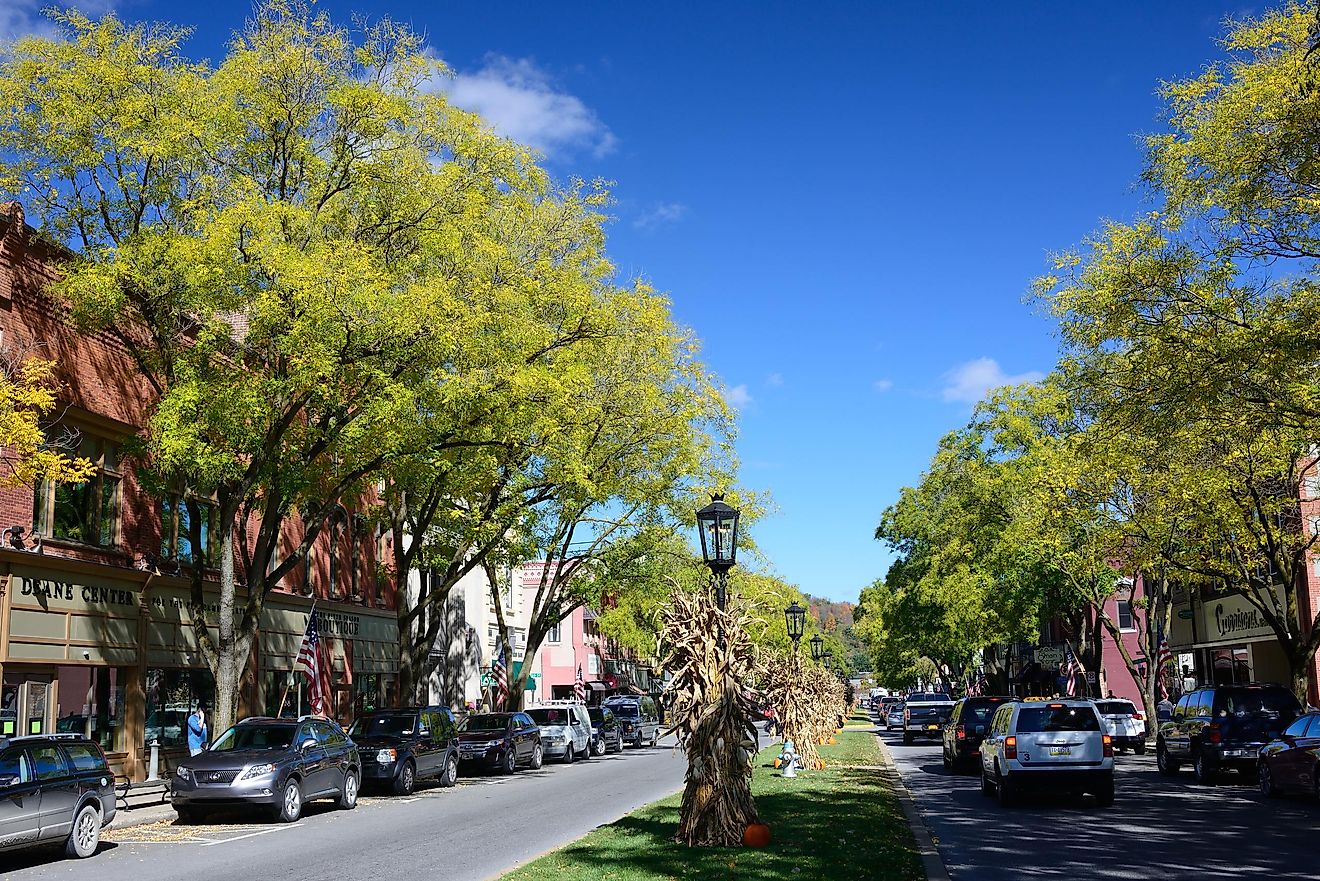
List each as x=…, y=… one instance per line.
x=126, y=819
x=931, y=861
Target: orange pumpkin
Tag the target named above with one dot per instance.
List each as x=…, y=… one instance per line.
x=756, y=835
x=831, y=741
x=778, y=763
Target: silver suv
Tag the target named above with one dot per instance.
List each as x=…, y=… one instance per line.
x=565, y=730
x=54, y=788
x=1059, y=745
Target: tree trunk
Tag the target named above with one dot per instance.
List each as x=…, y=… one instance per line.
x=226, y=665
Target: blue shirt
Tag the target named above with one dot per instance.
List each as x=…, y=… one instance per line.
x=196, y=733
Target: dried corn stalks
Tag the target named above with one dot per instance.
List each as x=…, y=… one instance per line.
x=786, y=688
x=712, y=717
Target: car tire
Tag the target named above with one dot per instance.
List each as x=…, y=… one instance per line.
x=509, y=763
x=568, y=755
x=598, y=747
x=1166, y=763
x=538, y=758
x=907, y=739
x=449, y=776
x=348, y=793
x=1007, y=796
x=1140, y=748
x=1105, y=796
x=1204, y=770
x=190, y=816
x=618, y=745
x=987, y=787
x=85, y=836
x=407, y=779
x=290, y=807
x=1266, y=780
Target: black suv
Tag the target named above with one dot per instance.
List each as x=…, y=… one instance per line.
x=277, y=764
x=401, y=745
x=54, y=788
x=606, y=735
x=968, y=722
x=1223, y=726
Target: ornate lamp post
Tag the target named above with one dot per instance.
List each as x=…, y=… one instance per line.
x=817, y=648
x=795, y=618
x=827, y=657
x=717, y=525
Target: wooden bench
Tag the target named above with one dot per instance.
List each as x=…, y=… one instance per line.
x=130, y=795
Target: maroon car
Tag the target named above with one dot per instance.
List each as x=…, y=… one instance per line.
x=1291, y=763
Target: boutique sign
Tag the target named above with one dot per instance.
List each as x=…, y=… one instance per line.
x=1234, y=617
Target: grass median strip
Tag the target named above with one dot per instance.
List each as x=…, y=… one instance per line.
x=842, y=822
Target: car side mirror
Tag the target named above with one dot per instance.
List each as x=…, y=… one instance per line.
x=309, y=743
x=424, y=732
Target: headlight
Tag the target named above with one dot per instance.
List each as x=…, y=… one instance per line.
x=182, y=773
x=259, y=771
x=386, y=756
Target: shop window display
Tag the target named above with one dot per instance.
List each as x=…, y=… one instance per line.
x=91, y=702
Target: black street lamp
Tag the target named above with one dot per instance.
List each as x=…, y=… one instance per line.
x=828, y=657
x=795, y=617
x=817, y=648
x=717, y=526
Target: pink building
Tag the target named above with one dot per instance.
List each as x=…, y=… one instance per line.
x=571, y=644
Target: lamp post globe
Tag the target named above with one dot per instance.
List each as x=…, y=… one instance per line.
x=817, y=647
x=827, y=657
x=795, y=618
x=717, y=527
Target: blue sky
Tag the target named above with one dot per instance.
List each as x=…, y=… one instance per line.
x=846, y=201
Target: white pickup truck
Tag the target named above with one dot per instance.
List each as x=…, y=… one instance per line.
x=924, y=715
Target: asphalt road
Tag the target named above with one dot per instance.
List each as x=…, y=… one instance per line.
x=479, y=829
x=1167, y=828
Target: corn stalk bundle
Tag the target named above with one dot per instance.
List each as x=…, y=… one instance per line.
x=827, y=702
x=793, y=702
x=712, y=717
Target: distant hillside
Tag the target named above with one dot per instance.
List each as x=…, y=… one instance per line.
x=837, y=618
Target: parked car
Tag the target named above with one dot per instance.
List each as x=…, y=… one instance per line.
x=1291, y=762
x=500, y=741
x=893, y=716
x=924, y=714
x=1224, y=726
x=401, y=746
x=565, y=730
x=968, y=722
x=1124, y=723
x=606, y=735
x=1057, y=745
x=274, y=764
x=54, y=788
x=637, y=717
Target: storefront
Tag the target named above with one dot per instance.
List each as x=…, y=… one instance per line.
x=112, y=654
x=1235, y=644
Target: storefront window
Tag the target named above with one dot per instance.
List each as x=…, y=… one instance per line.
x=91, y=703
x=171, y=697
x=284, y=694
x=1231, y=666
x=85, y=512
x=366, y=693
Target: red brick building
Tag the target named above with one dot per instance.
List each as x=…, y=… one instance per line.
x=95, y=634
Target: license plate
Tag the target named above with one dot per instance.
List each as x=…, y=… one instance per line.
x=1241, y=753
x=1060, y=751
x=932, y=727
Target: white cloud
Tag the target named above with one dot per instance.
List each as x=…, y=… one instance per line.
x=664, y=212
x=520, y=102
x=882, y=385
x=968, y=383
x=22, y=18
x=739, y=396
x=775, y=380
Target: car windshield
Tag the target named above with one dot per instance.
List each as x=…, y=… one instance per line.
x=1116, y=708
x=628, y=711
x=1060, y=718
x=597, y=714
x=1269, y=702
x=928, y=697
x=393, y=725
x=254, y=737
x=980, y=711
x=549, y=716
x=486, y=722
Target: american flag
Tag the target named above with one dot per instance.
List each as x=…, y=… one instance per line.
x=579, y=687
x=309, y=660
x=1164, y=660
x=500, y=671
x=1071, y=667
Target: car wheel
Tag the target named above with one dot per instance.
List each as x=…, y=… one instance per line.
x=1204, y=770
x=450, y=776
x=1267, y=787
x=510, y=763
x=1165, y=762
x=538, y=758
x=618, y=744
x=907, y=738
x=86, y=833
x=1140, y=748
x=349, y=794
x=1105, y=796
x=987, y=787
x=290, y=803
x=407, y=779
x=1007, y=797
x=598, y=747
x=190, y=816
x=568, y=754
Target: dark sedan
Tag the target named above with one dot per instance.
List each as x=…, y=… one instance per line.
x=1291, y=763
x=274, y=764
x=500, y=741
x=606, y=735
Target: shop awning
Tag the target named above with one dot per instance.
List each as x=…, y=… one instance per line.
x=598, y=687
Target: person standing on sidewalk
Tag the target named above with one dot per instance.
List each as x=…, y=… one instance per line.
x=197, y=733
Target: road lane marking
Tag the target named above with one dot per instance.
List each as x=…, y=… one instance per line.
x=249, y=835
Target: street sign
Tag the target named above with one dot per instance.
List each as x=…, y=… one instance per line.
x=1091, y=677
x=536, y=675
x=1049, y=656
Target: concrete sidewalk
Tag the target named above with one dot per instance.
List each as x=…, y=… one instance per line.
x=125, y=818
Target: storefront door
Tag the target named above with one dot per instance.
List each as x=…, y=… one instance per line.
x=25, y=702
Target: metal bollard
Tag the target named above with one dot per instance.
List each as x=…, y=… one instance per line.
x=153, y=768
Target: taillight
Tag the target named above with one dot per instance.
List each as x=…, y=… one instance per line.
x=1010, y=747
x=1215, y=735
x=962, y=733
x=1109, y=746
x=907, y=715
x=1138, y=716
